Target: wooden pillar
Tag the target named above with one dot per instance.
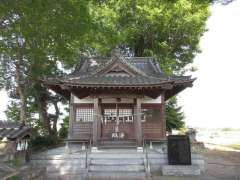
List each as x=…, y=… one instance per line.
x=137, y=121
x=71, y=117
x=95, y=121
x=99, y=119
x=163, y=115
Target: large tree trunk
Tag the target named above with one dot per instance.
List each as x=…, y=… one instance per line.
x=41, y=102
x=49, y=120
x=139, y=46
x=21, y=85
x=57, y=113
x=42, y=108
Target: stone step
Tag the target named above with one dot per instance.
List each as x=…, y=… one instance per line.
x=116, y=151
x=117, y=175
x=62, y=168
x=58, y=157
x=66, y=169
x=116, y=156
x=57, y=176
x=116, y=168
x=118, y=146
x=181, y=170
x=117, y=142
x=61, y=162
x=116, y=161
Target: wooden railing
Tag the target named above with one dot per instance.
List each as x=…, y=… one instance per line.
x=87, y=158
x=146, y=159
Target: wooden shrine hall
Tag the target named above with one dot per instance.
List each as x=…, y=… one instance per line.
x=118, y=98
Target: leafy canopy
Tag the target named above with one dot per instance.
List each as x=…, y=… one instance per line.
x=167, y=30
x=47, y=33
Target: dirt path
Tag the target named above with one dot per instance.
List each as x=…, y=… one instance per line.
x=222, y=164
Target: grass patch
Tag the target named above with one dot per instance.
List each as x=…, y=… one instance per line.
x=234, y=146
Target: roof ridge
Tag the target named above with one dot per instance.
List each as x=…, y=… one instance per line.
x=119, y=58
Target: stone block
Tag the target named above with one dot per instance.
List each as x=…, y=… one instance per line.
x=181, y=170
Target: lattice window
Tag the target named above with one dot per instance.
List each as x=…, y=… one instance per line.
x=84, y=114
x=125, y=115
x=150, y=115
x=125, y=112
x=110, y=112
x=143, y=115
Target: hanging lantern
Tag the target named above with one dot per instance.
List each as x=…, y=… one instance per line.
x=26, y=145
x=18, y=146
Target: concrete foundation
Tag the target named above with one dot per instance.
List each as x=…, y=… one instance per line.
x=181, y=170
x=111, y=161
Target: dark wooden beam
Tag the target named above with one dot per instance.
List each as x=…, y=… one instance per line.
x=167, y=86
x=138, y=122
x=72, y=116
x=95, y=121
x=163, y=115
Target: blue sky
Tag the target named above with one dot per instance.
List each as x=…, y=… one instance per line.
x=215, y=97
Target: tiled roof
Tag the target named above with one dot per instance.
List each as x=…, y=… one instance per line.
x=118, y=71
x=85, y=73
x=121, y=80
x=88, y=66
x=12, y=130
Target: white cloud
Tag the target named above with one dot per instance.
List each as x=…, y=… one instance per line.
x=214, y=99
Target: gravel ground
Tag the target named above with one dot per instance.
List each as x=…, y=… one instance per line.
x=220, y=165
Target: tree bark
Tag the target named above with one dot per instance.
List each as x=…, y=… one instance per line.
x=139, y=47
x=49, y=120
x=44, y=115
x=41, y=100
x=20, y=85
x=57, y=113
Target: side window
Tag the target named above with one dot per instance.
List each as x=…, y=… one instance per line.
x=84, y=114
x=150, y=115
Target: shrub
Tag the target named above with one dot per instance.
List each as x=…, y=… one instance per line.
x=43, y=142
x=63, y=131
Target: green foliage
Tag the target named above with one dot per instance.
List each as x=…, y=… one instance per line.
x=234, y=146
x=167, y=30
x=170, y=31
x=228, y=129
x=16, y=162
x=43, y=142
x=36, y=37
x=174, y=115
x=13, y=111
x=63, y=131
x=40, y=36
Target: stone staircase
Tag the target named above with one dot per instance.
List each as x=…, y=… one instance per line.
x=118, y=144
x=103, y=164
x=62, y=167
x=116, y=164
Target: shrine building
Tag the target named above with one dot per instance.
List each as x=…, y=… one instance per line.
x=118, y=99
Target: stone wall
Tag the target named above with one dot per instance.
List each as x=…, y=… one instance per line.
x=7, y=150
